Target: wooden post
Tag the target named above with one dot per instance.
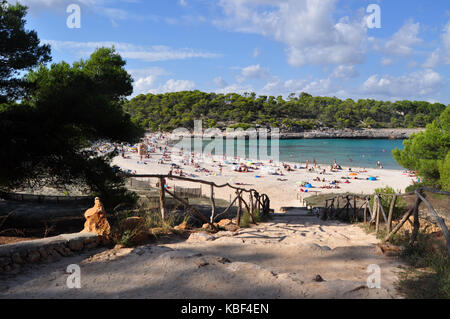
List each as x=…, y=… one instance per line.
x=391, y=212
x=368, y=207
x=162, y=198
x=347, y=206
x=374, y=210
x=377, y=214
x=439, y=220
x=238, y=218
x=365, y=211
x=399, y=225
x=248, y=211
x=252, y=207
x=195, y=210
x=213, y=205
x=416, y=220
x=258, y=203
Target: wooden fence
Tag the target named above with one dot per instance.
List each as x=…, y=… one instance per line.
x=188, y=192
x=44, y=198
x=255, y=201
x=350, y=210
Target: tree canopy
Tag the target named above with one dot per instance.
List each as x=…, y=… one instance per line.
x=20, y=50
x=428, y=153
x=46, y=135
x=168, y=111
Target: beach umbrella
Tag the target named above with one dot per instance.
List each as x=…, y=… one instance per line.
x=308, y=186
x=372, y=178
x=353, y=174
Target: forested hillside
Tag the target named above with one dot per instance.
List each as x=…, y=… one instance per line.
x=299, y=112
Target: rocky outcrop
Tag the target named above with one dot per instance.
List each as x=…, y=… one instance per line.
x=394, y=134
x=96, y=221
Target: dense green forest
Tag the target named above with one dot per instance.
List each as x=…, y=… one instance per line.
x=171, y=110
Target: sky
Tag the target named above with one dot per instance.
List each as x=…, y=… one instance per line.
x=339, y=48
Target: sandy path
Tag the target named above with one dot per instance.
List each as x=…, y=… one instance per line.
x=276, y=259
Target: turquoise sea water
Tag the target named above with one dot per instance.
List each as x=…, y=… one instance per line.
x=347, y=152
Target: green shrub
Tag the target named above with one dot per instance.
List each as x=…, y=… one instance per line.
x=400, y=204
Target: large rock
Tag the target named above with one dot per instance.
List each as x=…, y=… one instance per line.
x=96, y=221
x=225, y=222
x=201, y=236
x=183, y=226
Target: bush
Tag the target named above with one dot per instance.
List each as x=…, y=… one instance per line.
x=400, y=204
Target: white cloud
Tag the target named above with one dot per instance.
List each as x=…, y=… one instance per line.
x=183, y=3
x=387, y=61
x=220, y=82
x=345, y=72
x=403, y=41
x=442, y=54
x=307, y=27
x=130, y=51
x=145, y=79
x=173, y=85
x=254, y=72
x=235, y=88
x=416, y=84
x=256, y=52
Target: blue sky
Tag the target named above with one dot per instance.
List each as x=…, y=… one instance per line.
x=323, y=47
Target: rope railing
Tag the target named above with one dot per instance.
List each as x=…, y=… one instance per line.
x=255, y=202
x=377, y=212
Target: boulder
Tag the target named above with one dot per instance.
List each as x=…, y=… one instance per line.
x=183, y=226
x=76, y=245
x=201, y=236
x=225, y=222
x=388, y=250
x=232, y=228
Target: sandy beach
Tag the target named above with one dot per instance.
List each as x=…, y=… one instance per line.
x=284, y=191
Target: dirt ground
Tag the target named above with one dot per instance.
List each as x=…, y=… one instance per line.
x=292, y=255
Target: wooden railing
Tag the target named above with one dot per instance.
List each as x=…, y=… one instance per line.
x=255, y=201
x=332, y=210
x=44, y=198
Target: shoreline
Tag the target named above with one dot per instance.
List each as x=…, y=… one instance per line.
x=325, y=133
